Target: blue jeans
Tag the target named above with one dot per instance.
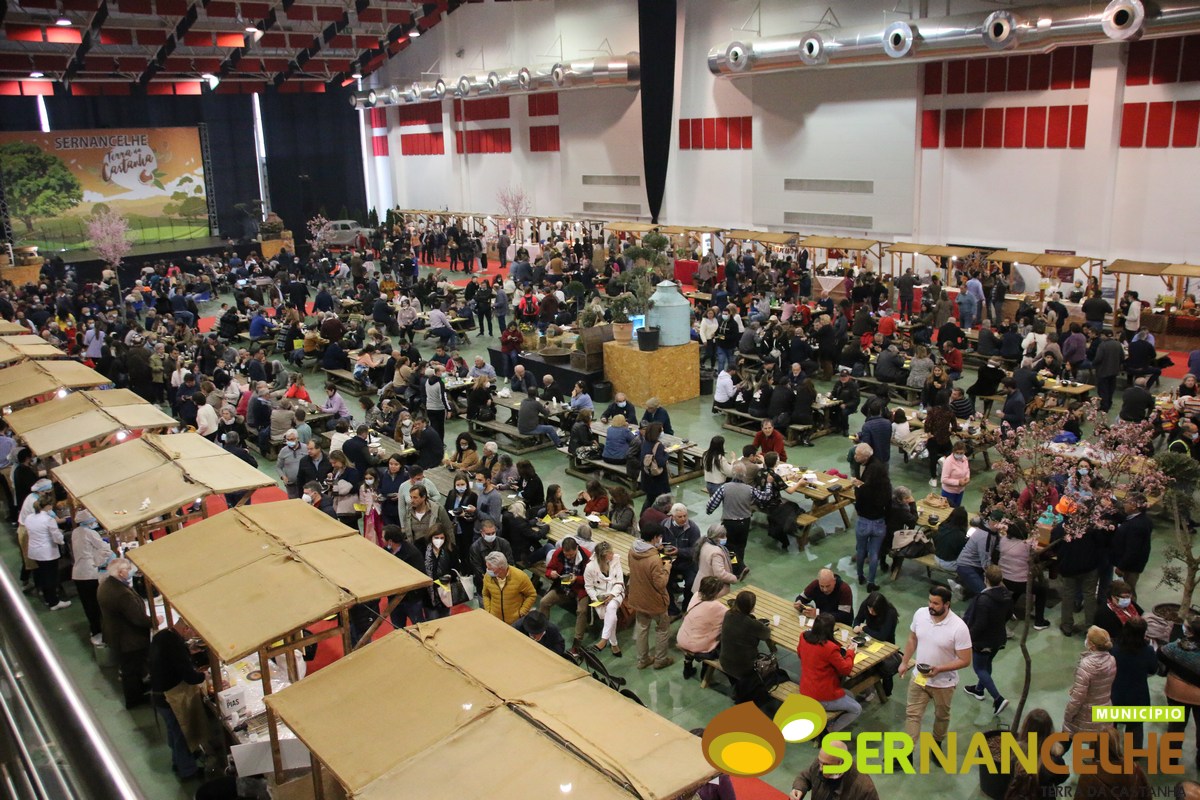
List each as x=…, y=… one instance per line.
x=971, y=578
x=725, y=358
x=955, y=500
x=549, y=430
x=447, y=336
x=868, y=534
x=181, y=757
x=849, y=707
x=982, y=662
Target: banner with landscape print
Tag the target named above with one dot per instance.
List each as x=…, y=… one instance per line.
x=55, y=181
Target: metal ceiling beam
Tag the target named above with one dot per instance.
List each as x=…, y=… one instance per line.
x=164, y=52
x=90, y=37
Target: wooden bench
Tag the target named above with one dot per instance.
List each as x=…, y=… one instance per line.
x=929, y=562
x=807, y=519
x=588, y=468
x=903, y=392
x=782, y=691
x=266, y=343
x=520, y=443
x=750, y=425
x=344, y=380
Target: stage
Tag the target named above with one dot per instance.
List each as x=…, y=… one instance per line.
x=88, y=264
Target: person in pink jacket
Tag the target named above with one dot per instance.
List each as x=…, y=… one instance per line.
x=956, y=474
x=699, y=635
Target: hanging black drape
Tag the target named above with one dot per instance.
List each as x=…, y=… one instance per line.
x=314, y=157
x=19, y=114
x=656, y=40
x=230, y=124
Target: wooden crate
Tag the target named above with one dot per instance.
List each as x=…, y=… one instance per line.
x=591, y=362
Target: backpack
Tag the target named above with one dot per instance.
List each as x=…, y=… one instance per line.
x=652, y=467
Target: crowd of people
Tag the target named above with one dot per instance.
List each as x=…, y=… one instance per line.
x=371, y=315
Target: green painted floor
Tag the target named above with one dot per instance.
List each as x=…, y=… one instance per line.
x=666, y=692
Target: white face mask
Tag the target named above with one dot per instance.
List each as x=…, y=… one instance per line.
x=460, y=489
x=438, y=541
x=491, y=573
x=369, y=481
x=308, y=499
x=1124, y=602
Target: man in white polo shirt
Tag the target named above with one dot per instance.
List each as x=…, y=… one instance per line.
x=941, y=642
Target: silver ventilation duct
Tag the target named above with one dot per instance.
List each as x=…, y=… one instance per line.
x=1032, y=29
x=605, y=71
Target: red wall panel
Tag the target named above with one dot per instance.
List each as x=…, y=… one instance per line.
x=697, y=134
x=1137, y=69
x=997, y=74
x=722, y=125
x=1035, y=127
x=956, y=77
x=1158, y=124
x=710, y=133
x=422, y=144
x=993, y=124
x=1166, y=60
x=1078, y=138
x=735, y=132
x=420, y=114
x=1018, y=73
x=1191, y=59
x=543, y=105
x=1039, y=72
x=973, y=127
x=1062, y=68
x=954, y=127
x=1014, y=128
x=1187, y=123
x=685, y=133
x=1133, y=125
x=976, y=75
x=931, y=123
x=747, y=132
x=1058, y=127
x=933, y=78
x=1083, y=67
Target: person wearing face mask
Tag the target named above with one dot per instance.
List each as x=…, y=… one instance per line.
x=288, y=463
x=440, y=561
x=45, y=539
x=391, y=478
x=90, y=553
x=729, y=331
x=465, y=457
x=1118, y=609
x=821, y=781
x=489, y=503
x=411, y=608
x=507, y=593
x=127, y=626
x=314, y=495
x=956, y=474
x=461, y=505
x=371, y=500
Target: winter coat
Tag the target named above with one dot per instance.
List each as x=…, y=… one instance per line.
x=1094, y=678
x=648, y=574
x=713, y=560
x=513, y=601
x=987, y=617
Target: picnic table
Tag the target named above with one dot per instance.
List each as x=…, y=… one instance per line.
x=1074, y=389
x=688, y=455
x=560, y=528
x=381, y=447
x=828, y=493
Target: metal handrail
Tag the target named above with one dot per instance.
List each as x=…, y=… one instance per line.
x=76, y=750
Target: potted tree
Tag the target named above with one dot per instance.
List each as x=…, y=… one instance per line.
x=621, y=307
x=1182, y=566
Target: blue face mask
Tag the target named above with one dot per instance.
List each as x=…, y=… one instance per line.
x=722, y=542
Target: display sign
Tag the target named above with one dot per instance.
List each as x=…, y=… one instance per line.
x=153, y=176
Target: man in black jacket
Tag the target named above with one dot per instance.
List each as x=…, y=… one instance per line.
x=1078, y=573
x=536, y=626
x=1131, y=542
x=846, y=389
x=828, y=594
x=171, y=667
x=315, y=467
x=1136, y=402
x=412, y=607
x=357, y=449
x=872, y=497
x=987, y=617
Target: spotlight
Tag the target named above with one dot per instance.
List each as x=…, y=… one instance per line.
x=357, y=76
x=63, y=392
x=63, y=22
x=251, y=29
x=415, y=33
x=210, y=79
x=36, y=74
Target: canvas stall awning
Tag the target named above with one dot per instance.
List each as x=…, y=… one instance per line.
x=155, y=475
x=12, y=328
x=251, y=575
x=32, y=379
x=11, y=353
x=501, y=699
x=947, y=251
x=907, y=247
x=1123, y=266
x=83, y=417
x=763, y=237
x=1013, y=256
x=630, y=227
x=1183, y=270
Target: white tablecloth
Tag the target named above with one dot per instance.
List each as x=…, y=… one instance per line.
x=830, y=283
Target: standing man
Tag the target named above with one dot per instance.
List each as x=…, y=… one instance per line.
x=987, y=618
x=502, y=243
x=872, y=498
x=1107, y=366
x=127, y=627
x=647, y=596
x=1131, y=542
x=904, y=292
x=941, y=644
x=737, y=498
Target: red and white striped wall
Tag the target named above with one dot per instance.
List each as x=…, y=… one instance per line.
x=381, y=158
x=483, y=125
x=543, y=123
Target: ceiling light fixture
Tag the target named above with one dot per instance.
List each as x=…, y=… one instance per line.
x=414, y=33
x=210, y=79
x=252, y=29
x=63, y=22
x=357, y=76
x=36, y=74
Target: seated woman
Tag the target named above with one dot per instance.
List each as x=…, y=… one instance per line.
x=480, y=404
x=465, y=457
x=296, y=388
x=616, y=441
x=824, y=662
x=741, y=634
x=505, y=472
x=877, y=618
x=950, y=539
x=938, y=381
x=594, y=498
x=555, y=506
x=621, y=516
x=919, y=368
x=604, y=582
x=699, y=636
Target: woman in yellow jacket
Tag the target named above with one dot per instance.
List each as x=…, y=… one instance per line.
x=508, y=594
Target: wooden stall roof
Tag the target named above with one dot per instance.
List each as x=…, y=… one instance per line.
x=948, y=251
x=907, y=247
x=1013, y=256
x=677, y=229
x=1061, y=261
x=593, y=742
x=764, y=237
x=11, y=352
x=154, y=475
x=1124, y=266
x=630, y=227
x=66, y=422
x=1183, y=270
x=12, y=328
x=839, y=242
x=248, y=576
x=36, y=378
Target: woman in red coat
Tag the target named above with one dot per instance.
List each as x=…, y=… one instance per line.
x=823, y=664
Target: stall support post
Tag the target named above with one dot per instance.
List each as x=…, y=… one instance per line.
x=214, y=671
x=318, y=780
x=289, y=658
x=344, y=622
x=264, y=667
x=387, y=614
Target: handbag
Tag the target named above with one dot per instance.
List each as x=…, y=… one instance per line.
x=456, y=591
x=911, y=543
x=486, y=413
x=625, y=615
x=766, y=667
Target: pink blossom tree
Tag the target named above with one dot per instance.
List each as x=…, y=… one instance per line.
x=515, y=203
x=109, y=233
x=1030, y=459
x=316, y=233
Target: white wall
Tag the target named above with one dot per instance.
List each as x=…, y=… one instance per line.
x=858, y=124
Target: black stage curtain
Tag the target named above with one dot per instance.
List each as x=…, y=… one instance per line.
x=228, y=117
x=19, y=114
x=314, y=157
x=656, y=39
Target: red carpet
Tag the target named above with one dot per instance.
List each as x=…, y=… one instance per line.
x=755, y=789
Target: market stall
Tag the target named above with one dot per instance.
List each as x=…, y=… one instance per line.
x=155, y=482
x=12, y=328
x=36, y=381
x=502, y=699
x=252, y=580
x=1173, y=321
x=857, y=251
x=14, y=349
x=70, y=427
